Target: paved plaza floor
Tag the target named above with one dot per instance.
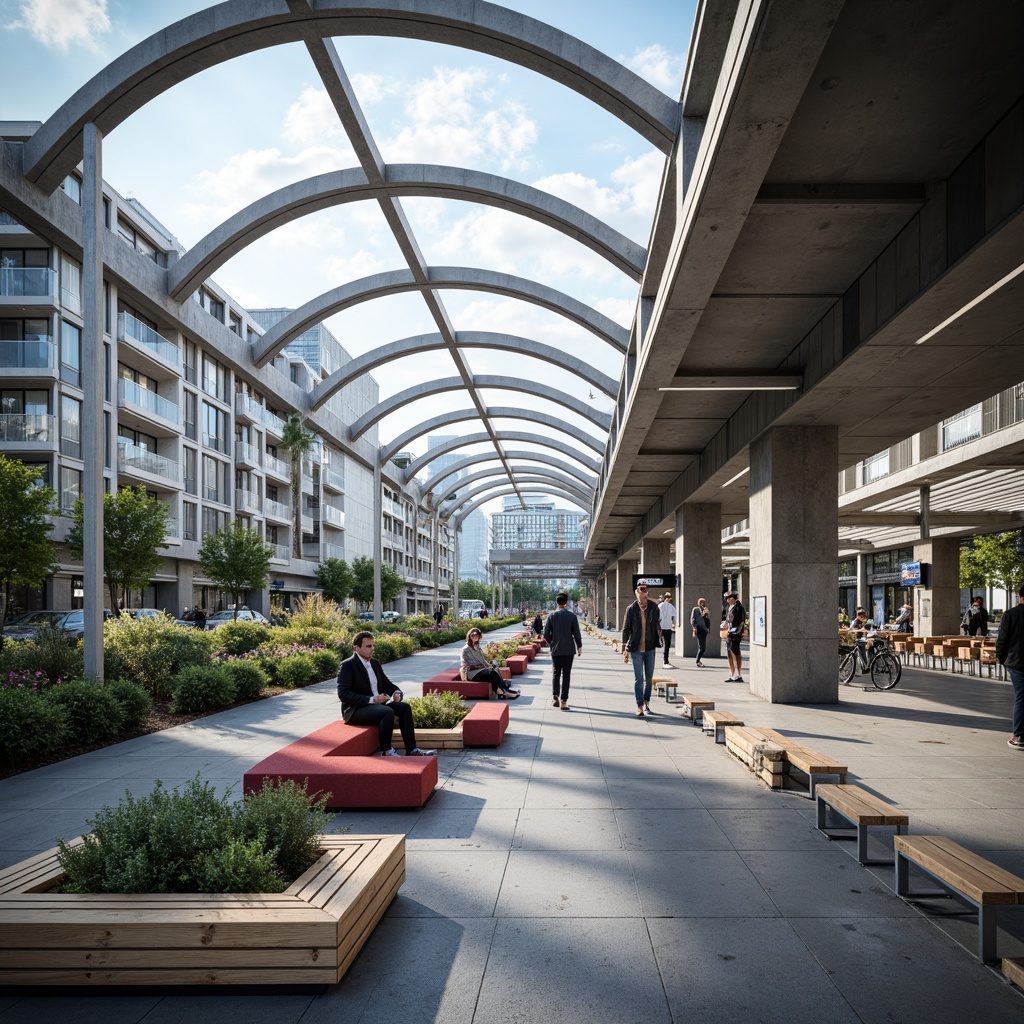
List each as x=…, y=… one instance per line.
x=603, y=868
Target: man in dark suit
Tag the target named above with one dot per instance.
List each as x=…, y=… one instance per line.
x=368, y=697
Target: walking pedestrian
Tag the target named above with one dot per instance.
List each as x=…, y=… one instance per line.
x=700, y=623
x=1010, y=652
x=975, y=620
x=735, y=620
x=667, y=613
x=641, y=633
x=562, y=632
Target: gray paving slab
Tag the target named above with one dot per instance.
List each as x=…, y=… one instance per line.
x=664, y=794
x=782, y=828
x=450, y=883
x=241, y=1009
x=90, y=1008
x=486, y=829
x=686, y=829
x=573, y=793
x=594, y=883
x=567, y=830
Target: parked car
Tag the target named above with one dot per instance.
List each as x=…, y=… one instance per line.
x=70, y=623
x=228, y=615
x=148, y=613
x=391, y=617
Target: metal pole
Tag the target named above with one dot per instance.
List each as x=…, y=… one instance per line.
x=378, y=540
x=93, y=369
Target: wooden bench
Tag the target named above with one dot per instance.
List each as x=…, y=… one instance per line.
x=764, y=758
x=807, y=761
x=307, y=935
x=862, y=809
x=1013, y=968
x=662, y=684
x=694, y=707
x=963, y=874
x=713, y=723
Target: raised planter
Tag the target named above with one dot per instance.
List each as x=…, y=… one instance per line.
x=307, y=935
x=484, y=726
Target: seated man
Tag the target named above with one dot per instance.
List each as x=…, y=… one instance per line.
x=368, y=697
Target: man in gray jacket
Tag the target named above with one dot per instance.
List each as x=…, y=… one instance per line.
x=562, y=632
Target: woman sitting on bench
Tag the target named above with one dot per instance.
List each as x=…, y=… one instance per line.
x=477, y=668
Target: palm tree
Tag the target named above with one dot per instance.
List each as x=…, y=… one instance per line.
x=300, y=442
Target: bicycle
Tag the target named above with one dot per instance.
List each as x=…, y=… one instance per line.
x=883, y=666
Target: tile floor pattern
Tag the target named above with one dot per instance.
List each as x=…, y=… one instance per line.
x=598, y=867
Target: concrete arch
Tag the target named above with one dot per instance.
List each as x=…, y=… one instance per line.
x=521, y=472
x=237, y=27
x=525, y=485
x=466, y=339
x=395, y=282
x=433, y=180
x=524, y=456
x=444, y=384
x=537, y=476
x=497, y=412
x=469, y=509
x=482, y=437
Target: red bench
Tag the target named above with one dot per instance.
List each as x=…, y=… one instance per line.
x=465, y=688
x=517, y=663
x=485, y=725
x=337, y=760
x=528, y=651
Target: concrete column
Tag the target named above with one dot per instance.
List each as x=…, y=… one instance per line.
x=656, y=556
x=624, y=596
x=862, y=582
x=699, y=562
x=794, y=521
x=937, y=605
x=378, y=536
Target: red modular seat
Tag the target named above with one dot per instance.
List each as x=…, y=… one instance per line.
x=464, y=688
x=448, y=675
x=485, y=725
x=528, y=651
x=517, y=663
x=337, y=760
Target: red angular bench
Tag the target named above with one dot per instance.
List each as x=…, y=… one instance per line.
x=528, y=651
x=485, y=725
x=517, y=663
x=465, y=688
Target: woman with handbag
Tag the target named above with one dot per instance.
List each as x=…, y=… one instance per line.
x=700, y=622
x=477, y=668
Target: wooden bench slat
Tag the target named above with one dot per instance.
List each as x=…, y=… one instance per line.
x=1013, y=968
x=859, y=805
x=958, y=867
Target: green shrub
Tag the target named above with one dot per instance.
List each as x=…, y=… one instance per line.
x=93, y=714
x=248, y=678
x=136, y=705
x=438, y=710
x=308, y=636
x=193, y=841
x=30, y=727
x=201, y=688
x=240, y=637
x=155, y=650
x=295, y=670
x=325, y=663
x=57, y=656
x=316, y=610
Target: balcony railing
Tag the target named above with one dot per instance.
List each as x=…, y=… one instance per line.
x=247, y=501
x=17, y=282
x=276, y=509
x=131, y=457
x=280, y=552
x=247, y=453
x=273, y=423
x=248, y=407
x=332, y=479
x=28, y=355
x=28, y=427
x=334, y=551
x=130, y=393
x=129, y=328
x=276, y=467
x=172, y=530
x=963, y=427
x=332, y=516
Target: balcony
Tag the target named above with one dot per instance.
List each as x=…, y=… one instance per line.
x=274, y=424
x=277, y=468
x=30, y=358
x=332, y=480
x=28, y=428
x=144, y=465
x=280, y=552
x=247, y=501
x=334, y=551
x=145, y=404
x=311, y=550
x=247, y=455
x=32, y=283
x=331, y=516
x=247, y=408
x=131, y=330
x=172, y=533
x=395, y=508
x=275, y=510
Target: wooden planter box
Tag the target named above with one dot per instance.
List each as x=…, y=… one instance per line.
x=307, y=935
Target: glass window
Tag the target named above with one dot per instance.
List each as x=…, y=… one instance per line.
x=188, y=512
x=214, y=379
x=70, y=487
x=215, y=429
x=191, y=470
x=71, y=426
x=213, y=480
x=191, y=416
x=191, y=361
x=71, y=283
x=70, y=353
x=73, y=188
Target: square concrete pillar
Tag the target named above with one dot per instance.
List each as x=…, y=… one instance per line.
x=656, y=556
x=937, y=605
x=794, y=521
x=699, y=561
x=624, y=596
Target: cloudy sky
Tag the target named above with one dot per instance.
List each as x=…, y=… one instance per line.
x=223, y=138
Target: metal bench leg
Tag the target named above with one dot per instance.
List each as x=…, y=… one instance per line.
x=822, y=814
x=902, y=875
x=862, y=843
x=986, y=934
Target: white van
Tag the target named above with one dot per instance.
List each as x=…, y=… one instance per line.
x=470, y=609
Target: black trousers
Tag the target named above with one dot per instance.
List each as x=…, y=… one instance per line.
x=702, y=639
x=492, y=676
x=666, y=637
x=383, y=716
x=561, y=670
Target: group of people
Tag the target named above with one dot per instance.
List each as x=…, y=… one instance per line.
x=197, y=616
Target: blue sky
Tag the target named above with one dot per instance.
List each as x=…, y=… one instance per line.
x=216, y=142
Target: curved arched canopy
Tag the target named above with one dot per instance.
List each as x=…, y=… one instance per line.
x=434, y=180
x=394, y=282
x=526, y=456
x=465, y=511
x=231, y=29
x=439, y=387
x=354, y=369
x=538, y=476
x=445, y=419
x=520, y=436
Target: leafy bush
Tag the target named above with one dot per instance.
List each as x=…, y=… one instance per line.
x=316, y=610
x=240, y=637
x=325, y=664
x=50, y=653
x=295, y=670
x=201, y=688
x=438, y=710
x=193, y=841
x=155, y=650
x=136, y=705
x=30, y=727
x=309, y=636
x=248, y=678
x=92, y=712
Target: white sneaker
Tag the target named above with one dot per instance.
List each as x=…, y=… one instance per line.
x=390, y=752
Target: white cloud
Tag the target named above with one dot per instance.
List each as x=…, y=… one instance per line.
x=371, y=89
x=312, y=121
x=351, y=268
x=60, y=23
x=659, y=67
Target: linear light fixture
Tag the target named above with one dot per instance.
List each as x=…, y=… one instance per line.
x=728, y=380
x=967, y=307
x=733, y=479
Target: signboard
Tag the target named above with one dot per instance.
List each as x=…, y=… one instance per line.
x=910, y=574
x=277, y=584
x=654, y=580
x=759, y=621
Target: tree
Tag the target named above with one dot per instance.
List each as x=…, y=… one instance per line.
x=134, y=526
x=1001, y=556
x=474, y=590
x=235, y=559
x=299, y=442
x=391, y=584
x=26, y=551
x=972, y=572
x=334, y=575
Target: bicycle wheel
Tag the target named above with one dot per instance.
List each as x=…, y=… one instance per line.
x=847, y=666
x=885, y=670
